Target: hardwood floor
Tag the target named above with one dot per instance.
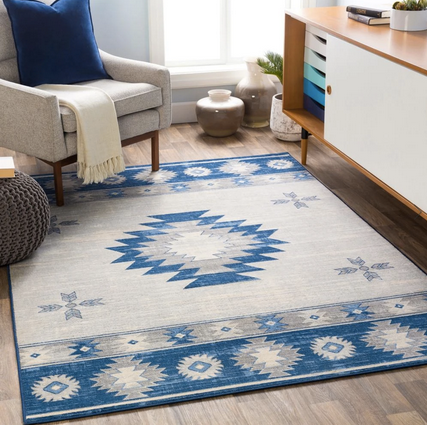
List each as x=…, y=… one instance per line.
x=396, y=397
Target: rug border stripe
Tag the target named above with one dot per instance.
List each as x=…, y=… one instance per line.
x=238, y=388
x=15, y=339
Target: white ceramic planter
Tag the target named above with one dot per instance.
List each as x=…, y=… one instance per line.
x=283, y=127
x=408, y=20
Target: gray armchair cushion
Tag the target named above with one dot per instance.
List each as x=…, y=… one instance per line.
x=128, y=98
x=132, y=71
x=129, y=125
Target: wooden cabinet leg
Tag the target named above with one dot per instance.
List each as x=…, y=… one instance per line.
x=304, y=145
x=155, y=156
x=59, y=190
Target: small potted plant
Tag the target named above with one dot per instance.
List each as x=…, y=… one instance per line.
x=409, y=15
x=283, y=127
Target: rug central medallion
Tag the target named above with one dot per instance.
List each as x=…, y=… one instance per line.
x=198, y=247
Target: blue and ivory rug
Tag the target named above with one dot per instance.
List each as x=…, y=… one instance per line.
x=206, y=278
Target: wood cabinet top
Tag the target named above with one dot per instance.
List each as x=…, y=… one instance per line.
x=406, y=48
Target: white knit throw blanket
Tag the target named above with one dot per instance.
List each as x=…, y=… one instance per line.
x=99, y=151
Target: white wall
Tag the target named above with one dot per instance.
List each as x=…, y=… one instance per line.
x=121, y=27
x=326, y=3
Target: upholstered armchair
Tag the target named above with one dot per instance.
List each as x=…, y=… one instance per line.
x=33, y=123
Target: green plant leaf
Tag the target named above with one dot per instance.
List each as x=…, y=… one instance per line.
x=272, y=64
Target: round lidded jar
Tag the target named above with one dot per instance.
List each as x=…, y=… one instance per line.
x=220, y=114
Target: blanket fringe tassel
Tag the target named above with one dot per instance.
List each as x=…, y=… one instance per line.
x=100, y=172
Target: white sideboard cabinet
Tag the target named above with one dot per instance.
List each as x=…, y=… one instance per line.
x=368, y=103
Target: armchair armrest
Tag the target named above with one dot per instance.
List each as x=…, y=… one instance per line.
x=132, y=71
x=30, y=122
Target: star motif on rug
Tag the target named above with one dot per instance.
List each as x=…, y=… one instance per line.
x=161, y=176
x=133, y=343
x=55, y=226
x=317, y=317
x=271, y=323
x=394, y=337
x=357, y=311
x=361, y=265
x=55, y=388
x=198, y=247
x=297, y=202
x=200, y=367
x=241, y=168
x=402, y=305
x=270, y=357
x=129, y=378
x=34, y=355
x=85, y=349
x=280, y=164
x=333, y=348
x=180, y=335
x=114, y=180
x=197, y=171
x=71, y=306
x=225, y=329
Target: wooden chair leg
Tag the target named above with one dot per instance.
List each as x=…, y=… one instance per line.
x=304, y=143
x=155, y=155
x=59, y=190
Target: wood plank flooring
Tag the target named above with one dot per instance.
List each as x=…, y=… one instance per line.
x=397, y=397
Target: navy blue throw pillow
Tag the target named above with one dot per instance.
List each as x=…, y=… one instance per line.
x=55, y=44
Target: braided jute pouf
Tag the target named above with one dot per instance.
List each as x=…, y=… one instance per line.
x=24, y=217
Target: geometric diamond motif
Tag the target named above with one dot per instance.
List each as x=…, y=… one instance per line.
x=262, y=356
x=180, y=335
x=129, y=378
x=84, y=349
x=56, y=387
x=199, y=248
x=400, y=340
x=357, y=311
x=333, y=348
x=271, y=323
x=200, y=367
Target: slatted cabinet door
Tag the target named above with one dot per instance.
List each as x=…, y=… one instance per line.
x=314, y=71
x=376, y=114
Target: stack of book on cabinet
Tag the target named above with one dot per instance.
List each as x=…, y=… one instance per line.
x=369, y=15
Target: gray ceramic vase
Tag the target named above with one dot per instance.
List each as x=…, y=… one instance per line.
x=220, y=114
x=256, y=90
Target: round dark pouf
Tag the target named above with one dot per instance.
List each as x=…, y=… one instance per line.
x=24, y=217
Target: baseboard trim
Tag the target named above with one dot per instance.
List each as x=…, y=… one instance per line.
x=184, y=112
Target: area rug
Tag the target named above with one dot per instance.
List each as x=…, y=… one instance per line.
x=206, y=278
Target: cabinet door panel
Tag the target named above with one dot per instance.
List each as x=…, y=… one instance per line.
x=377, y=115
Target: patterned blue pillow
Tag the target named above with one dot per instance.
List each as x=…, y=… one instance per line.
x=55, y=44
